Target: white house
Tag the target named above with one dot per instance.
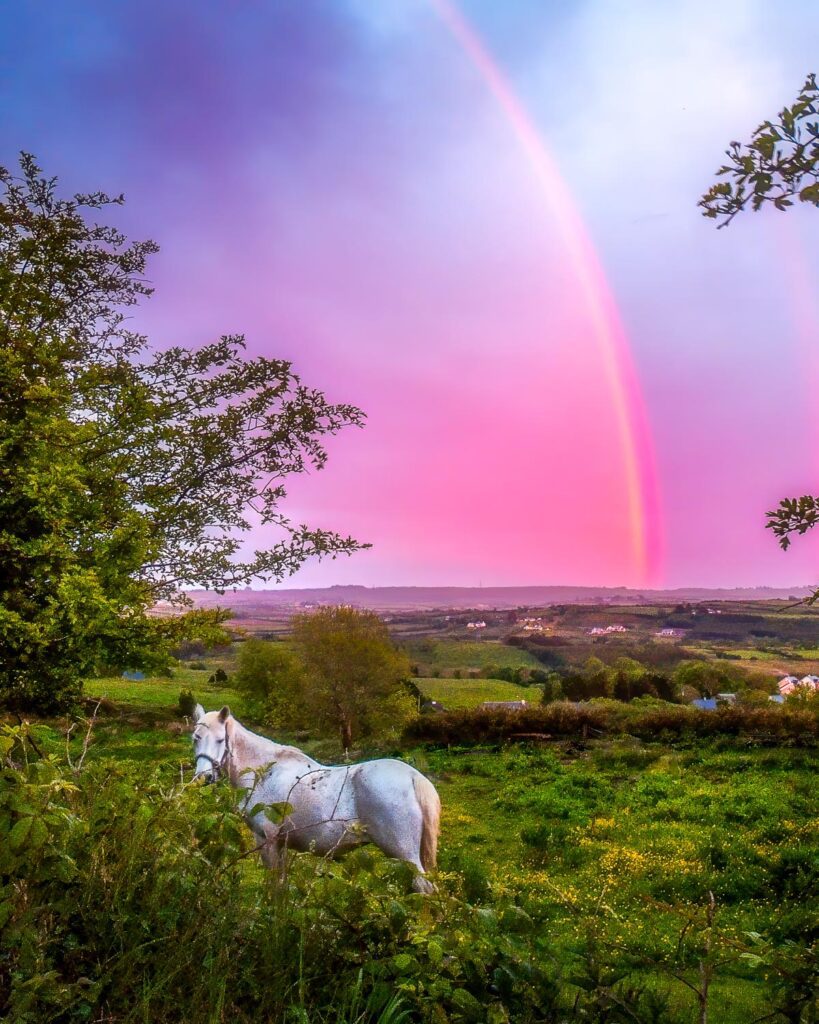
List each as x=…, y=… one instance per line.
x=790, y=684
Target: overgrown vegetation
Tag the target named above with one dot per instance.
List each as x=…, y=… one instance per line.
x=620, y=882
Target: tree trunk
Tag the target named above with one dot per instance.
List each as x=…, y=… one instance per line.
x=346, y=734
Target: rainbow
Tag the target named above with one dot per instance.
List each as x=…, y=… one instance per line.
x=635, y=437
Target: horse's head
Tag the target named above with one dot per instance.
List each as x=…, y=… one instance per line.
x=211, y=742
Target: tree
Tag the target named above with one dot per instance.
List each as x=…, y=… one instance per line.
x=707, y=678
x=126, y=473
x=271, y=678
x=778, y=165
x=552, y=688
x=354, y=675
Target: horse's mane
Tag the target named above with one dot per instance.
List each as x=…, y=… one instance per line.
x=264, y=747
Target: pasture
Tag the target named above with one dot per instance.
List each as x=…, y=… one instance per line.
x=597, y=861
x=470, y=693
x=444, y=656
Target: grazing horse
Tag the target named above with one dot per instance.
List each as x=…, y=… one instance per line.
x=330, y=808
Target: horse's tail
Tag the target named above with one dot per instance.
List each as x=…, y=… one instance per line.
x=430, y=804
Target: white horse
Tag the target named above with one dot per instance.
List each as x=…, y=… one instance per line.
x=331, y=808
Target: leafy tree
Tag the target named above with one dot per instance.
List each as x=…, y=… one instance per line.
x=552, y=688
x=595, y=679
x=707, y=678
x=599, y=677
x=664, y=687
x=126, y=473
x=271, y=678
x=354, y=675
x=779, y=164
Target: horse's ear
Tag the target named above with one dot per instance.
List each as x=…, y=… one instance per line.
x=198, y=713
x=224, y=714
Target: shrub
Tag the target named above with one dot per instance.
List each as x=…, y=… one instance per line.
x=457, y=727
x=644, y=718
x=186, y=704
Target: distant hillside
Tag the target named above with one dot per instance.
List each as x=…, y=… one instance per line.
x=419, y=598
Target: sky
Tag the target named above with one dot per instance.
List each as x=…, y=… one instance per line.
x=477, y=221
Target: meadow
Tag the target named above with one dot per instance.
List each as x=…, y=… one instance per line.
x=469, y=693
x=599, y=880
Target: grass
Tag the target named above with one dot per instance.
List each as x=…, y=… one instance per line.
x=469, y=693
x=447, y=655
x=160, y=693
x=617, y=838
x=629, y=838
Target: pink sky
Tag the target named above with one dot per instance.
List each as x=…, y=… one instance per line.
x=343, y=186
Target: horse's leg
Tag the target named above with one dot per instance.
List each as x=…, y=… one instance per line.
x=396, y=834
x=270, y=846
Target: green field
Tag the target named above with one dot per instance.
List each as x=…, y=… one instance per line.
x=447, y=655
x=160, y=693
x=605, y=851
x=621, y=839
x=469, y=693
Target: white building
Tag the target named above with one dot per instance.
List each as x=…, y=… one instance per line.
x=790, y=684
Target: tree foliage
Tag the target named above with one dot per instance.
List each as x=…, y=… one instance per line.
x=271, y=678
x=624, y=680
x=126, y=473
x=779, y=164
x=708, y=678
x=354, y=675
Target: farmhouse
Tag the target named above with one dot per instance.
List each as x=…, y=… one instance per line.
x=532, y=625
x=476, y=625
x=602, y=630
x=790, y=684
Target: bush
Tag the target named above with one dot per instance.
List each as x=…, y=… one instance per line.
x=645, y=718
x=186, y=704
x=458, y=727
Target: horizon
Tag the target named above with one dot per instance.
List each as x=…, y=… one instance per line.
x=278, y=588
x=478, y=223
